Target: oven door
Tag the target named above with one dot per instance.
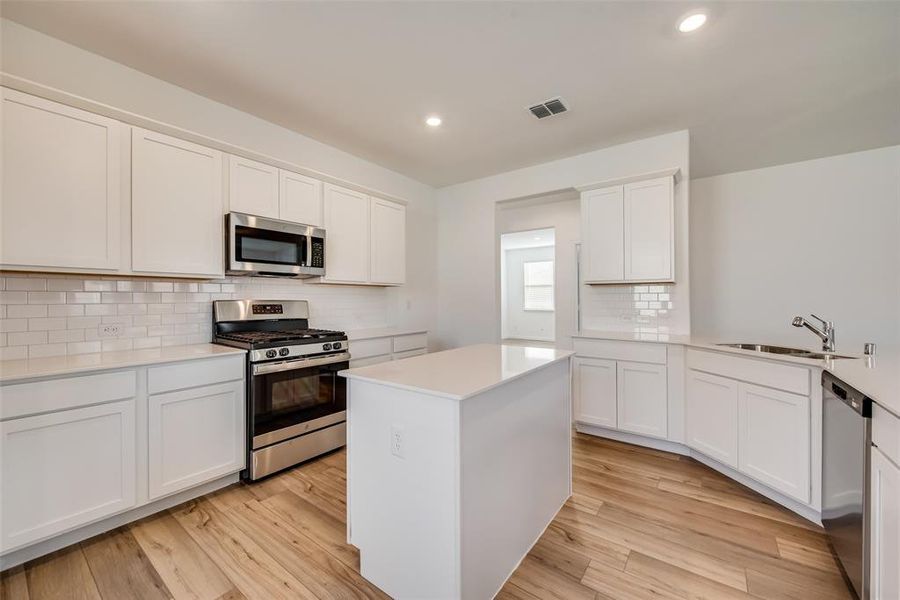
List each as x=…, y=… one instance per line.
x=261, y=246
x=294, y=397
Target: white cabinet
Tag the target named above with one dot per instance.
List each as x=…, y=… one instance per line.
x=387, y=235
x=712, y=416
x=347, y=235
x=60, y=187
x=300, y=199
x=195, y=435
x=595, y=391
x=628, y=232
x=773, y=440
x=642, y=399
x=603, y=217
x=252, y=187
x=176, y=205
x=885, y=527
x=65, y=469
x=649, y=230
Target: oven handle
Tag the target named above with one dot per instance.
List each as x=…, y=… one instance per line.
x=300, y=363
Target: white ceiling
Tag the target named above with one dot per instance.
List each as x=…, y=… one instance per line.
x=536, y=238
x=763, y=83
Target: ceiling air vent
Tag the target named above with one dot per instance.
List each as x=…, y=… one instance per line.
x=548, y=108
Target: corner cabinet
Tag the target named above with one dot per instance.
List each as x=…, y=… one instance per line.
x=61, y=193
x=365, y=239
x=628, y=231
x=176, y=206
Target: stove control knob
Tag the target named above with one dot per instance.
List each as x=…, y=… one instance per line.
x=271, y=354
x=326, y=346
x=336, y=345
x=284, y=351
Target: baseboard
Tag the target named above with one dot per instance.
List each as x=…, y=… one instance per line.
x=805, y=511
x=17, y=557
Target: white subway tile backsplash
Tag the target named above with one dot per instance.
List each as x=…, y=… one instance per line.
x=14, y=353
x=42, y=324
x=97, y=310
x=13, y=297
x=82, y=322
x=10, y=325
x=46, y=297
x=82, y=297
x=132, y=309
x=21, y=283
x=83, y=347
x=99, y=286
x=66, y=335
x=160, y=286
x=186, y=287
x=131, y=286
x=27, y=338
x=65, y=285
x=25, y=311
x=65, y=310
x=117, y=344
x=44, y=350
x=147, y=342
x=115, y=297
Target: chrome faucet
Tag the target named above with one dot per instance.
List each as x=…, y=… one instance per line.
x=826, y=334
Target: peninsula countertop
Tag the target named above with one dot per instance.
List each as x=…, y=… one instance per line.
x=461, y=372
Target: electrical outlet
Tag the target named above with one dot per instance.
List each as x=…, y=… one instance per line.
x=110, y=330
x=398, y=448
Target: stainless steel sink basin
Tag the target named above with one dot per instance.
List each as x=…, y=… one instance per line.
x=798, y=352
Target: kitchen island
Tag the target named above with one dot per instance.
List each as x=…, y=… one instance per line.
x=457, y=462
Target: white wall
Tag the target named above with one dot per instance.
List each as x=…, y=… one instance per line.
x=468, y=290
x=520, y=323
x=817, y=236
x=31, y=55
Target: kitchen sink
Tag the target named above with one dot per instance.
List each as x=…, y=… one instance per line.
x=798, y=352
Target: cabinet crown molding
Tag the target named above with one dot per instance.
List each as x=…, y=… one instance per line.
x=673, y=172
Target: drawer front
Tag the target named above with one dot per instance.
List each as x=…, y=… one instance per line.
x=71, y=392
x=886, y=433
x=615, y=350
x=402, y=343
x=774, y=375
x=369, y=361
x=366, y=348
x=195, y=373
x=410, y=353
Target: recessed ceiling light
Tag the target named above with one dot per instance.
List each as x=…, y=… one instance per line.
x=692, y=22
x=537, y=237
x=433, y=121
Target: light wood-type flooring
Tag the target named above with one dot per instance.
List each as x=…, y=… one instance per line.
x=642, y=524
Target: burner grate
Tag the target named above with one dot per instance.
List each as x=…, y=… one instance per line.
x=290, y=335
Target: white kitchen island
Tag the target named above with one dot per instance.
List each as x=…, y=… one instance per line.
x=457, y=462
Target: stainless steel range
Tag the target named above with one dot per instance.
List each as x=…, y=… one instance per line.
x=296, y=403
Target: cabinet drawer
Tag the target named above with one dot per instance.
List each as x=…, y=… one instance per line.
x=366, y=348
x=402, y=343
x=886, y=433
x=369, y=361
x=195, y=373
x=410, y=353
x=769, y=374
x=615, y=350
x=58, y=394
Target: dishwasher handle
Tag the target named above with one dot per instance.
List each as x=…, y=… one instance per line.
x=855, y=399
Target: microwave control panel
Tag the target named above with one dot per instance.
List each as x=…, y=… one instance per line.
x=318, y=253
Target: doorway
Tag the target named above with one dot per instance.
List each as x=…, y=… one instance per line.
x=528, y=285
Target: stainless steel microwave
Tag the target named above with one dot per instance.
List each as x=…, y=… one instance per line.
x=269, y=247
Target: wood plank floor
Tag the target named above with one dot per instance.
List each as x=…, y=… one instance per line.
x=642, y=524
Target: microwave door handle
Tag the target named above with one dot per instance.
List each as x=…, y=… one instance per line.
x=309, y=243
x=291, y=365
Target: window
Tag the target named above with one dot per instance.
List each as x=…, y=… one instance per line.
x=538, y=285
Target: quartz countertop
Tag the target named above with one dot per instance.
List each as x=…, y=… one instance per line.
x=462, y=372
x=16, y=370
x=380, y=332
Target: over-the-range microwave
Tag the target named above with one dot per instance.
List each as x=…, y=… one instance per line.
x=270, y=247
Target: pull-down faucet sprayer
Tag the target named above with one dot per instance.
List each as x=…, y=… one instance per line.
x=826, y=334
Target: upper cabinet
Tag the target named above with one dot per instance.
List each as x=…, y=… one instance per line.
x=628, y=232
x=176, y=206
x=387, y=235
x=252, y=187
x=300, y=199
x=61, y=194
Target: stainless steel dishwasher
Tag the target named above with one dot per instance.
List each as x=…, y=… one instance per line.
x=846, y=445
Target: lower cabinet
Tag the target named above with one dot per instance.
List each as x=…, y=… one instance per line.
x=773, y=439
x=712, y=416
x=372, y=351
x=64, y=469
x=195, y=435
x=595, y=391
x=641, y=398
x=885, y=527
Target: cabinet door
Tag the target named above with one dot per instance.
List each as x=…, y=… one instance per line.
x=387, y=233
x=885, y=543
x=602, y=217
x=196, y=435
x=300, y=199
x=65, y=469
x=712, y=416
x=642, y=399
x=252, y=187
x=649, y=230
x=176, y=206
x=60, y=185
x=773, y=439
x=595, y=391
x=346, y=235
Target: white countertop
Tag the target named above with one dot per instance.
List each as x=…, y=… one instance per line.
x=380, y=332
x=461, y=372
x=15, y=370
